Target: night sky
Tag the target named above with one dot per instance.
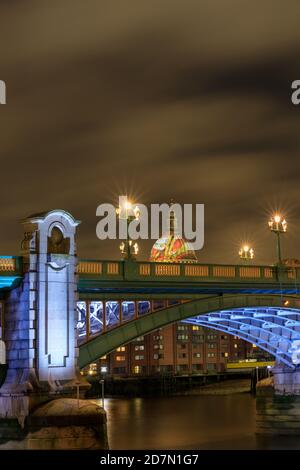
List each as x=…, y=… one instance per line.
x=158, y=99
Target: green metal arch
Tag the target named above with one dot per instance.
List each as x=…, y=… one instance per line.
x=112, y=339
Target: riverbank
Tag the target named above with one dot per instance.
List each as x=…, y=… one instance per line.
x=171, y=386
x=228, y=387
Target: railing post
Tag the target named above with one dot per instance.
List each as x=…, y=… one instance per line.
x=210, y=271
x=281, y=272
x=130, y=270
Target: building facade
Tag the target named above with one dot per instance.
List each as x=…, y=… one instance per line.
x=177, y=349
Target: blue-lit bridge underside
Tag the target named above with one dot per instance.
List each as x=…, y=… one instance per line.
x=274, y=330
x=264, y=320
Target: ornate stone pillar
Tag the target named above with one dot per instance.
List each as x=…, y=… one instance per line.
x=40, y=320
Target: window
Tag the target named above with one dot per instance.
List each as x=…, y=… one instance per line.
x=224, y=337
x=119, y=370
x=182, y=337
x=235, y=346
x=92, y=369
x=224, y=354
x=140, y=347
x=182, y=327
x=139, y=358
x=155, y=356
x=210, y=337
x=120, y=358
x=137, y=369
x=140, y=338
x=197, y=338
x=182, y=355
x=121, y=349
x=210, y=354
x=196, y=328
x=197, y=354
x=211, y=345
x=158, y=346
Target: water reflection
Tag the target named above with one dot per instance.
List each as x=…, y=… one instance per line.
x=187, y=422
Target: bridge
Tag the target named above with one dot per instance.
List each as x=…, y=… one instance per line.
x=59, y=313
x=122, y=300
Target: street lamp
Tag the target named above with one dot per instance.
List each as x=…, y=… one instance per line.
x=278, y=225
x=102, y=391
x=246, y=253
x=128, y=248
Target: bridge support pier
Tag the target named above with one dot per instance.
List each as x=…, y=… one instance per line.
x=278, y=403
x=36, y=401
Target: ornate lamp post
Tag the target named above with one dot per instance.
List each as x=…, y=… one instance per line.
x=246, y=253
x=278, y=225
x=128, y=248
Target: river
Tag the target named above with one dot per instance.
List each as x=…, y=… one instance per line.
x=188, y=422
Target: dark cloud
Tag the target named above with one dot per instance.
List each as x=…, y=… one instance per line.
x=189, y=100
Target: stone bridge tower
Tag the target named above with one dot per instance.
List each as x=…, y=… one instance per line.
x=40, y=320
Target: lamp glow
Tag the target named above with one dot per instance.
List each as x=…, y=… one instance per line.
x=246, y=252
x=278, y=224
x=128, y=249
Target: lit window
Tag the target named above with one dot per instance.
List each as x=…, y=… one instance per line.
x=226, y=354
x=120, y=358
x=92, y=369
x=138, y=358
x=139, y=348
x=235, y=346
x=137, y=369
x=121, y=349
x=254, y=346
x=196, y=328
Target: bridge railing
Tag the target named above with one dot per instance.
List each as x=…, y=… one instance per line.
x=150, y=271
x=10, y=265
x=189, y=272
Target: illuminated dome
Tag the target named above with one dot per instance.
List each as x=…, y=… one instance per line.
x=172, y=248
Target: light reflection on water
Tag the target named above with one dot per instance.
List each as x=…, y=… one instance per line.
x=187, y=422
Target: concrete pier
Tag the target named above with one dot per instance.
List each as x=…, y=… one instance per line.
x=278, y=403
x=62, y=424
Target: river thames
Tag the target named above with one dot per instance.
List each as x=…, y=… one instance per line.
x=188, y=422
